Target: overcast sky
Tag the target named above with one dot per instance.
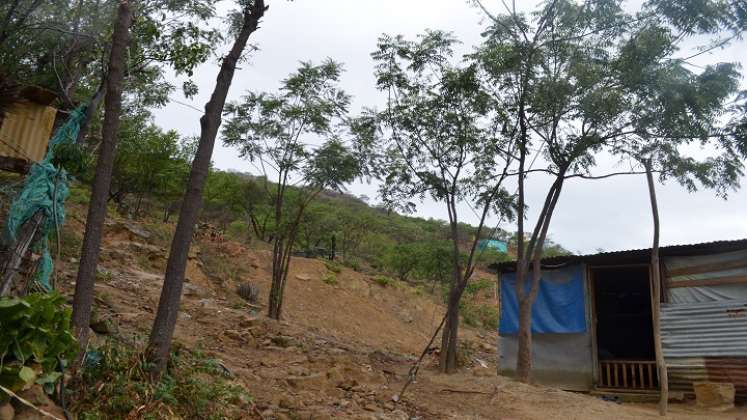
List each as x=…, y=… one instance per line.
x=611, y=214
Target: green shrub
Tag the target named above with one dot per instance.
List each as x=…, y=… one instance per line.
x=330, y=278
x=333, y=266
x=238, y=230
x=116, y=384
x=479, y=315
x=34, y=335
x=383, y=281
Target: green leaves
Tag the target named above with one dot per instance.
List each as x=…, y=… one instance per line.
x=34, y=333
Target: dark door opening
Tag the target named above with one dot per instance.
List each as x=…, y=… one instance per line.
x=624, y=328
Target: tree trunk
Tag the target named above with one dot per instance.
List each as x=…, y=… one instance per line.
x=661, y=366
x=14, y=253
x=83, y=298
x=524, y=355
x=450, y=335
x=164, y=324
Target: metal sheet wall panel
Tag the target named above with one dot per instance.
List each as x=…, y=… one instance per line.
x=683, y=372
x=559, y=360
x=712, y=329
x=706, y=342
x=25, y=131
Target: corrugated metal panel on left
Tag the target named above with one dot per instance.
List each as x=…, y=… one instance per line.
x=712, y=329
x=25, y=131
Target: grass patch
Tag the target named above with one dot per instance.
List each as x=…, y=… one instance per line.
x=384, y=281
x=333, y=266
x=116, y=384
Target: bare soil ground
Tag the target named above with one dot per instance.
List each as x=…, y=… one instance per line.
x=344, y=347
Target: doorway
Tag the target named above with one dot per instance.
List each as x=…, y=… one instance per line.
x=624, y=328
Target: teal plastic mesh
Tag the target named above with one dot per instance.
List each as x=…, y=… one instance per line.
x=45, y=190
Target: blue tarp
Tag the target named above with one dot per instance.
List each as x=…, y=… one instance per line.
x=559, y=307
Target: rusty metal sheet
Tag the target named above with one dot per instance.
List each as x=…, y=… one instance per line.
x=25, y=131
x=683, y=372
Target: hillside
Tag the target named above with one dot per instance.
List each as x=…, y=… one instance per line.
x=343, y=349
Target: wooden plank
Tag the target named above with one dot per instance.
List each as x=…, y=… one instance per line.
x=640, y=372
x=710, y=282
x=707, y=268
x=625, y=374
x=608, y=381
x=650, y=377
x=617, y=382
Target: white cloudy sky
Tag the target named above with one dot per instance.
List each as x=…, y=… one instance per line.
x=609, y=214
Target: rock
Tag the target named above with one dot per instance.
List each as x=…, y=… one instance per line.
x=285, y=402
x=487, y=347
x=371, y=407
x=7, y=412
x=716, y=396
x=103, y=323
x=314, y=381
x=249, y=321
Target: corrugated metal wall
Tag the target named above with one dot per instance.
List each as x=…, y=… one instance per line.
x=706, y=342
x=25, y=131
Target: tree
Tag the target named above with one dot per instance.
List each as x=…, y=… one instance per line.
x=439, y=136
x=585, y=78
x=164, y=324
x=275, y=131
x=83, y=298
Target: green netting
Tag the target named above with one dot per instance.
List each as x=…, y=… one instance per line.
x=45, y=190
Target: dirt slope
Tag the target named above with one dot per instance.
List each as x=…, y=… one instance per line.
x=344, y=347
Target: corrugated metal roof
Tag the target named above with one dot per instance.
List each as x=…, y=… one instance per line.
x=635, y=255
x=716, y=329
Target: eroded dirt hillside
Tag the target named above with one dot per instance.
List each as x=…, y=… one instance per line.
x=343, y=349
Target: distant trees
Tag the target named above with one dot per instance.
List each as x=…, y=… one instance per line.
x=582, y=79
x=276, y=133
x=440, y=136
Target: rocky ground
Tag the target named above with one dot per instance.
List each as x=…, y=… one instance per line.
x=343, y=349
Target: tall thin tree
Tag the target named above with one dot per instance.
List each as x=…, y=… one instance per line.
x=168, y=306
x=83, y=298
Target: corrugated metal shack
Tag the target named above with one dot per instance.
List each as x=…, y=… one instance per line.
x=592, y=320
x=25, y=129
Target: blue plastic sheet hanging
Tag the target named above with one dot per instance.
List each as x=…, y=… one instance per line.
x=560, y=305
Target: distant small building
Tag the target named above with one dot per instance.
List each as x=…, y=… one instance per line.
x=592, y=324
x=25, y=129
x=494, y=244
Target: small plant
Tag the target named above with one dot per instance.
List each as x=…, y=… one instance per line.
x=330, y=278
x=333, y=266
x=116, y=384
x=479, y=315
x=104, y=276
x=383, y=281
x=476, y=286
x=248, y=292
x=34, y=337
